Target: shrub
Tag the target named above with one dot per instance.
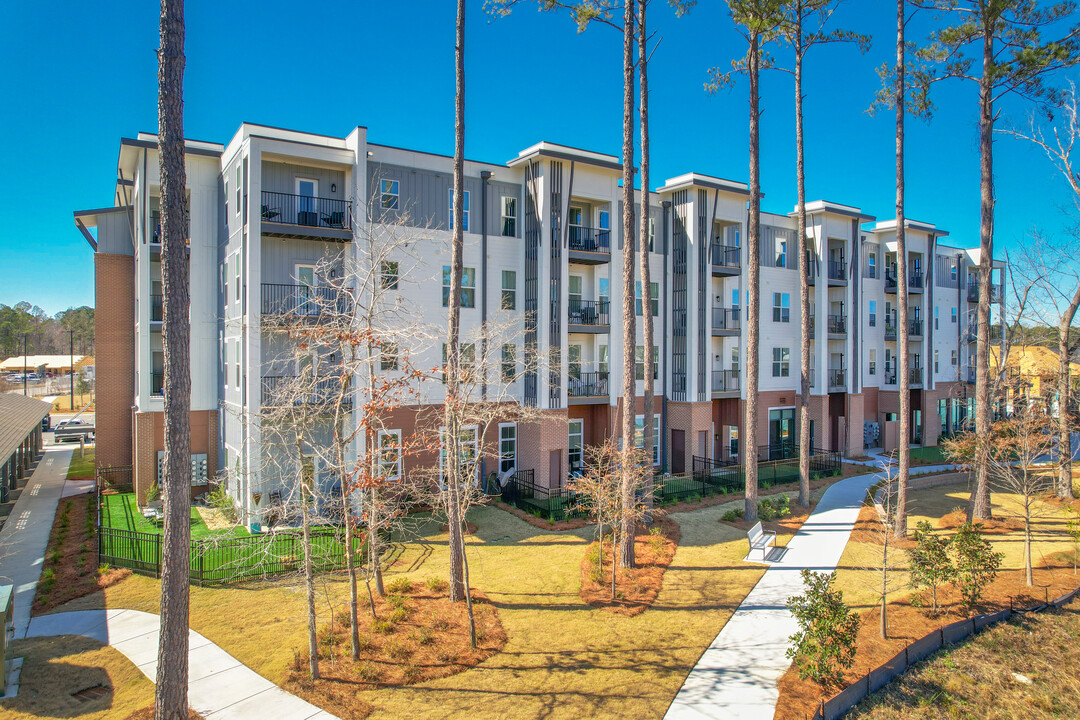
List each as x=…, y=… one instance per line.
x=976, y=563
x=364, y=643
x=399, y=585
x=656, y=539
x=931, y=565
x=103, y=568
x=397, y=650
x=592, y=556
x=424, y=636
x=382, y=627
x=368, y=672
x=397, y=601
x=732, y=516
x=437, y=584
x=410, y=673
x=774, y=508
x=219, y=499
x=399, y=615
x=824, y=646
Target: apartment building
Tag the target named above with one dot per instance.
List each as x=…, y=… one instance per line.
x=543, y=247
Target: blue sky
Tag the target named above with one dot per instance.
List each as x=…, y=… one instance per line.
x=79, y=76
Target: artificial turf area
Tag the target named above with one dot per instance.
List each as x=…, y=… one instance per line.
x=81, y=467
x=121, y=511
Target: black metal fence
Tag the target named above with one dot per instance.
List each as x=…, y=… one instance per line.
x=522, y=492
x=119, y=478
x=306, y=210
x=587, y=239
x=837, y=324
x=837, y=270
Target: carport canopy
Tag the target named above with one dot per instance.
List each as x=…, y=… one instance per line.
x=19, y=416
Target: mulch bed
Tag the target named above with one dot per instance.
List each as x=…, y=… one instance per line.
x=541, y=523
x=70, y=569
x=426, y=640
x=636, y=587
x=799, y=698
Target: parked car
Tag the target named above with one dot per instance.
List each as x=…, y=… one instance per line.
x=73, y=423
x=46, y=423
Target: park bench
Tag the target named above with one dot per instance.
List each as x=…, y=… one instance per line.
x=760, y=539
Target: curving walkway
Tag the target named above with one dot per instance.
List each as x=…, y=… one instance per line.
x=219, y=685
x=736, y=676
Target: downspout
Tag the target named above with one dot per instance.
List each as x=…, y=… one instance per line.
x=664, y=341
x=485, y=176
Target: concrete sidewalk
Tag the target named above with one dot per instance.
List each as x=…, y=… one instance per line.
x=25, y=536
x=219, y=685
x=736, y=676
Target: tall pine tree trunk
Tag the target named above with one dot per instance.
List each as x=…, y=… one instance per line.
x=980, y=509
x=903, y=373
x=171, y=692
x=804, y=278
x=753, y=305
x=452, y=438
x=644, y=249
x=626, y=546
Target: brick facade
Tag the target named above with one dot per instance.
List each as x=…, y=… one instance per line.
x=114, y=332
x=149, y=439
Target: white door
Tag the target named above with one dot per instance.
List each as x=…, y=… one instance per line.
x=306, y=302
x=307, y=191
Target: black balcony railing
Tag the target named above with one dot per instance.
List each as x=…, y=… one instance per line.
x=724, y=255
x=973, y=293
x=157, y=383
x=915, y=376
x=587, y=239
x=306, y=211
x=890, y=377
x=915, y=327
x=969, y=375
x=813, y=325
x=587, y=384
x=589, y=312
x=837, y=377
x=725, y=380
x=837, y=270
x=890, y=280
x=157, y=308
x=915, y=279
x=726, y=318
x=890, y=329
x=287, y=390
x=302, y=300
x=837, y=324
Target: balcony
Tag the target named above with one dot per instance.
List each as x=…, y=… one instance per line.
x=890, y=329
x=157, y=383
x=837, y=272
x=281, y=391
x=915, y=376
x=157, y=308
x=813, y=326
x=588, y=316
x=302, y=302
x=725, y=259
x=915, y=280
x=837, y=379
x=302, y=216
x=969, y=375
x=973, y=293
x=589, y=246
x=971, y=332
x=587, y=388
x=915, y=328
x=837, y=324
x=726, y=322
x=890, y=280
x=725, y=383
x=890, y=377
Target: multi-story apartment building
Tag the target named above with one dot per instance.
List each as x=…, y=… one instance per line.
x=543, y=247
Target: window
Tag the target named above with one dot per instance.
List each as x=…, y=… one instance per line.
x=573, y=291
x=226, y=199
x=639, y=362
x=468, y=360
x=388, y=356
x=239, y=182
x=873, y=314
x=509, y=290
x=468, y=287
x=871, y=265
x=952, y=357
x=873, y=361
x=507, y=447
x=466, y=450
x=238, y=365
x=936, y=309
x=390, y=454
x=573, y=218
x=464, y=210
x=952, y=272
x=781, y=253
x=573, y=361
x=639, y=436
x=389, y=192
x=236, y=273
x=781, y=362
x=781, y=307
x=888, y=360
x=576, y=437
x=953, y=314
x=604, y=291
x=935, y=362
x=735, y=298
x=509, y=216
x=654, y=298
x=602, y=361
x=735, y=359
x=508, y=366
x=389, y=275
x=652, y=236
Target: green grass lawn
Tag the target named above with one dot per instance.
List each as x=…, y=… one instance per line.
x=928, y=455
x=81, y=467
x=122, y=512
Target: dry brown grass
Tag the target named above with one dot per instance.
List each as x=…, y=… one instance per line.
x=55, y=668
x=637, y=587
x=978, y=679
x=147, y=713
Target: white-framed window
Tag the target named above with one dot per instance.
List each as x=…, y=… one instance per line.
x=873, y=314
x=239, y=183
x=935, y=362
x=226, y=197
x=573, y=361
x=508, y=364
x=639, y=362
x=888, y=360
x=575, y=445
x=508, y=301
x=467, y=352
x=507, y=447
x=639, y=436
x=464, y=210
x=953, y=315
x=237, y=346
x=952, y=357
x=735, y=359
x=952, y=271
x=604, y=291
x=873, y=361
x=389, y=194
x=734, y=298
x=652, y=235
x=781, y=362
x=388, y=275
x=468, y=287
x=573, y=292
x=871, y=264
x=781, y=307
x=390, y=454
x=236, y=275
x=509, y=216
x=602, y=359
x=388, y=356
x=467, y=449
x=654, y=298
x=781, y=252
x=936, y=316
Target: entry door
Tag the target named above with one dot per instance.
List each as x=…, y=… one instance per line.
x=307, y=192
x=678, y=452
x=781, y=433
x=305, y=290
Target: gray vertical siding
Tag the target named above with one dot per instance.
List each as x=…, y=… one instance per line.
x=769, y=235
x=280, y=177
x=424, y=198
x=494, y=214
x=114, y=233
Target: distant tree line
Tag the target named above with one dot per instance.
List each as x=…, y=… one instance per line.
x=45, y=335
